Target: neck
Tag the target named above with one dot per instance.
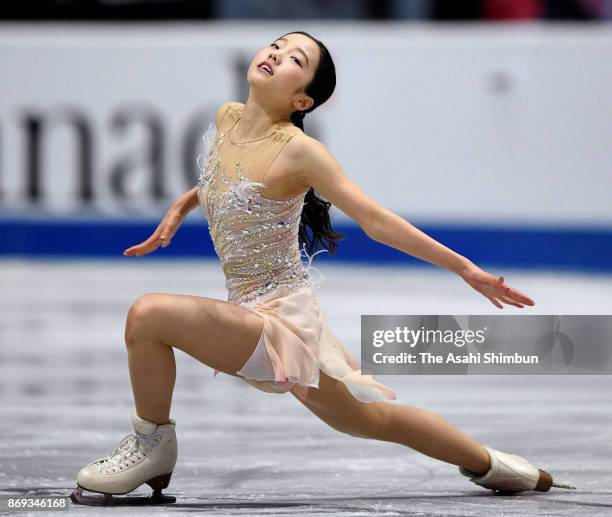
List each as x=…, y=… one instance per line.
x=256, y=121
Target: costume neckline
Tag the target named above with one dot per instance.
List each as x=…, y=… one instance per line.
x=278, y=126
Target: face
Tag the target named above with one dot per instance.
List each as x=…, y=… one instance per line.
x=294, y=59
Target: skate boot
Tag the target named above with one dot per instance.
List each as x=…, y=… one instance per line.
x=510, y=474
x=148, y=455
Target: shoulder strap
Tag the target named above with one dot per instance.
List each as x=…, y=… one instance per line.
x=231, y=113
x=280, y=137
x=285, y=133
x=234, y=111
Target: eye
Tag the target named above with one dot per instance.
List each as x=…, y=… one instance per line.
x=296, y=59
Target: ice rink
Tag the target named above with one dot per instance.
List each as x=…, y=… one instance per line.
x=66, y=399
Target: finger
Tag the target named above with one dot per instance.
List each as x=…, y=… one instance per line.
x=502, y=290
x=143, y=244
x=142, y=249
x=131, y=251
x=517, y=296
x=511, y=302
x=521, y=298
x=137, y=250
x=154, y=241
x=495, y=302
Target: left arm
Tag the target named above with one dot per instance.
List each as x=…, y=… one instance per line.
x=319, y=169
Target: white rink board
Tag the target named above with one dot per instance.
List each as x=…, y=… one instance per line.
x=454, y=123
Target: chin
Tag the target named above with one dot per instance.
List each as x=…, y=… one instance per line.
x=254, y=78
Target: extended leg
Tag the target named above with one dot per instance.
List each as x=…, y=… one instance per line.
x=219, y=334
x=427, y=433
x=414, y=427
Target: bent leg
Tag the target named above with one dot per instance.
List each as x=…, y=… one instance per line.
x=414, y=427
x=217, y=333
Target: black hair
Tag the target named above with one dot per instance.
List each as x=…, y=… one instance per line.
x=315, y=214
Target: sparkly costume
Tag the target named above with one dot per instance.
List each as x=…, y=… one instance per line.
x=256, y=239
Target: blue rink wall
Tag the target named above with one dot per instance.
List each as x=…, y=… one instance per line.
x=574, y=249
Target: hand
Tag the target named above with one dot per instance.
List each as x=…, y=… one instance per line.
x=162, y=236
x=493, y=287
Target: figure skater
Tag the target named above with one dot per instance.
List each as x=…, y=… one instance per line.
x=257, y=191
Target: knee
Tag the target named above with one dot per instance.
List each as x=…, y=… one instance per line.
x=139, y=318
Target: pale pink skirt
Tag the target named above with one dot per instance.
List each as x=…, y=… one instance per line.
x=295, y=343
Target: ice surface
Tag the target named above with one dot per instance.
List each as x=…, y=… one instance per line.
x=66, y=399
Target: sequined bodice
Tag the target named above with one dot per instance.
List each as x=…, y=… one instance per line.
x=255, y=237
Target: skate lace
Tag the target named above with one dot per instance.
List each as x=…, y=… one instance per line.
x=131, y=447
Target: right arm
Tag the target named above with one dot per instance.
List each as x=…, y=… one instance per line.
x=177, y=212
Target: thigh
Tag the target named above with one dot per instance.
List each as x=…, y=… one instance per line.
x=333, y=403
x=217, y=333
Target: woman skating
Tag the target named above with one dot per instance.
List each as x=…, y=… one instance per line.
x=257, y=189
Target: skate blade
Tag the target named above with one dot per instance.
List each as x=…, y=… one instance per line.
x=559, y=485
x=78, y=497
x=506, y=492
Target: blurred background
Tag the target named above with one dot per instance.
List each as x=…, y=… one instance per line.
x=485, y=123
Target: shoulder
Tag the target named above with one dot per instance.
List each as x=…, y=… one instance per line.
x=307, y=154
x=303, y=147
x=227, y=110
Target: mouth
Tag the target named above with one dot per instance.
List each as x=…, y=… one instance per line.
x=265, y=66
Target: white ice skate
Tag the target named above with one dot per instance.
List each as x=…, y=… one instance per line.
x=148, y=455
x=510, y=474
